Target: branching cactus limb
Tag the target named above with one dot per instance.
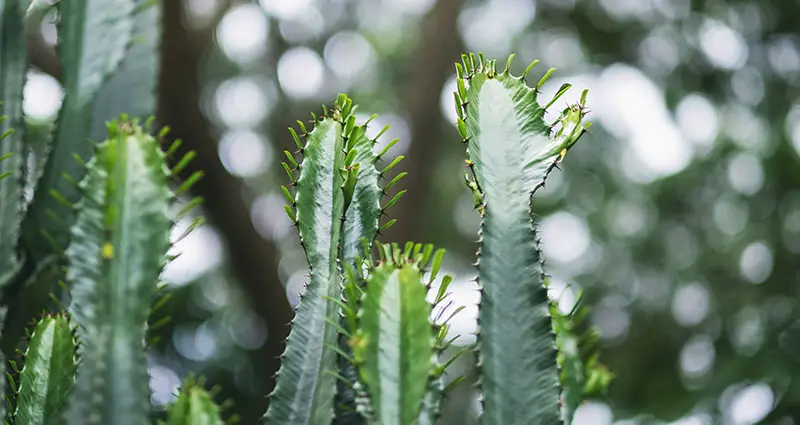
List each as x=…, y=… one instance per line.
x=306, y=382
x=510, y=152
x=582, y=374
x=13, y=66
x=48, y=376
x=139, y=69
x=94, y=37
x=118, y=245
x=194, y=406
x=362, y=221
x=396, y=346
x=393, y=345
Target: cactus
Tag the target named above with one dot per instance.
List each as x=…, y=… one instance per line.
x=364, y=346
x=119, y=243
x=393, y=344
x=13, y=65
x=87, y=64
x=336, y=205
x=510, y=153
x=49, y=373
x=194, y=406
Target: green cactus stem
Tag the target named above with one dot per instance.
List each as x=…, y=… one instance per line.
x=510, y=152
x=48, y=375
x=119, y=244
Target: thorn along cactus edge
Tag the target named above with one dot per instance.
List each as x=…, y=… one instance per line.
x=80, y=262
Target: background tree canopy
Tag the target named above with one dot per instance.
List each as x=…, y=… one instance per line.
x=679, y=215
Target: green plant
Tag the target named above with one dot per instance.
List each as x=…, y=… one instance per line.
x=364, y=346
x=523, y=339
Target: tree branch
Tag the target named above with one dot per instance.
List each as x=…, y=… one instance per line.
x=252, y=257
x=438, y=50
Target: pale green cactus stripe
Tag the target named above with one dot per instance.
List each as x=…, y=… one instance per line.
x=395, y=343
x=13, y=65
x=119, y=243
x=306, y=382
x=94, y=37
x=512, y=153
x=49, y=373
x=194, y=406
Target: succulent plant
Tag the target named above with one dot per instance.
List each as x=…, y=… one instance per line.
x=370, y=337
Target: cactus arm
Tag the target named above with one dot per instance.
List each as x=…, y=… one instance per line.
x=119, y=242
x=363, y=215
x=362, y=220
x=137, y=75
x=13, y=65
x=94, y=37
x=49, y=373
x=393, y=346
x=306, y=382
x=194, y=406
x=511, y=152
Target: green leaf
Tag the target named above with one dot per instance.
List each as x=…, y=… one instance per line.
x=194, y=406
x=94, y=37
x=13, y=65
x=119, y=243
x=305, y=387
x=511, y=153
x=394, y=343
x=47, y=378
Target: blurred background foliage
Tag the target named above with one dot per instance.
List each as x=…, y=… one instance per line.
x=679, y=215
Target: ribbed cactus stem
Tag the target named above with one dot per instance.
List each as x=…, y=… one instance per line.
x=511, y=152
x=13, y=66
x=119, y=244
x=194, y=406
x=94, y=36
x=48, y=376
